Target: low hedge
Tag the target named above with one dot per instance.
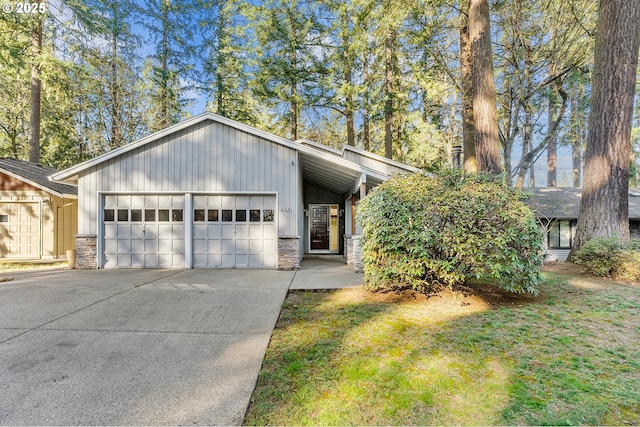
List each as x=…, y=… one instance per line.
x=611, y=257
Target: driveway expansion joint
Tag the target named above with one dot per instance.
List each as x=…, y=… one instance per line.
x=35, y=328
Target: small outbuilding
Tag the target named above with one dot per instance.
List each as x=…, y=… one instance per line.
x=38, y=217
x=214, y=193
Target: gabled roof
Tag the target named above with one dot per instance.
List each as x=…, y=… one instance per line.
x=564, y=202
x=36, y=175
x=335, y=173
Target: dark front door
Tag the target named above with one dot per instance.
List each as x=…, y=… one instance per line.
x=320, y=228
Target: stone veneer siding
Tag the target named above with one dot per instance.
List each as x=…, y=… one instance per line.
x=358, y=266
x=289, y=253
x=348, y=249
x=86, y=251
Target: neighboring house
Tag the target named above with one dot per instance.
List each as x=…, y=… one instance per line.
x=214, y=193
x=38, y=218
x=557, y=212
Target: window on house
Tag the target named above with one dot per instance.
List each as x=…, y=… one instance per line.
x=267, y=215
x=150, y=215
x=254, y=215
x=109, y=215
x=560, y=235
x=227, y=215
x=136, y=215
x=241, y=215
x=198, y=215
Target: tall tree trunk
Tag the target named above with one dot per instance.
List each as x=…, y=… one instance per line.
x=36, y=93
x=366, y=133
x=576, y=162
x=576, y=143
x=348, y=78
x=294, y=112
x=468, y=126
x=294, y=83
x=388, y=89
x=484, y=92
x=221, y=107
x=552, y=148
x=164, y=110
x=527, y=147
x=116, y=131
x=604, y=207
x=532, y=169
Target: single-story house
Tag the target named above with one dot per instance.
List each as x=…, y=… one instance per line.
x=214, y=193
x=557, y=212
x=38, y=218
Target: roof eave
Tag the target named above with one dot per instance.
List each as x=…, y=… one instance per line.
x=32, y=183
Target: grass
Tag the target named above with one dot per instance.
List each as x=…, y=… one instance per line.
x=570, y=356
x=13, y=266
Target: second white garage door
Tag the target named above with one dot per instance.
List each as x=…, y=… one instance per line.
x=234, y=231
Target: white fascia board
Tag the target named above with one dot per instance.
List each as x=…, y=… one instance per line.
x=319, y=146
x=380, y=158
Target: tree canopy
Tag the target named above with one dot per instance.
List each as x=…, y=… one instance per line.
x=381, y=75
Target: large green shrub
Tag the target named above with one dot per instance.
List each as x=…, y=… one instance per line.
x=425, y=233
x=610, y=257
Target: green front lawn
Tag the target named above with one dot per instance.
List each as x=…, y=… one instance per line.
x=348, y=357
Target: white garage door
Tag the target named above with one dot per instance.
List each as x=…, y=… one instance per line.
x=144, y=231
x=20, y=229
x=234, y=231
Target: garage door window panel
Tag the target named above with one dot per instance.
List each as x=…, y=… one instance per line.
x=213, y=215
x=109, y=215
x=163, y=215
x=227, y=215
x=123, y=215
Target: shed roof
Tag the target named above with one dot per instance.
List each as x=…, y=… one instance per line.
x=36, y=175
x=564, y=202
x=320, y=165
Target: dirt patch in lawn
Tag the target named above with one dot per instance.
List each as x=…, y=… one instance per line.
x=565, y=268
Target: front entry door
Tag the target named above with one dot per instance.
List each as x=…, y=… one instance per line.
x=320, y=227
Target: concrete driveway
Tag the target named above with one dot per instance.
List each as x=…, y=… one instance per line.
x=134, y=347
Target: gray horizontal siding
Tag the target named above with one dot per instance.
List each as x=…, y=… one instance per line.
x=206, y=157
x=557, y=255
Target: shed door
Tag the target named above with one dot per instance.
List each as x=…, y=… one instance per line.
x=144, y=231
x=20, y=230
x=234, y=231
